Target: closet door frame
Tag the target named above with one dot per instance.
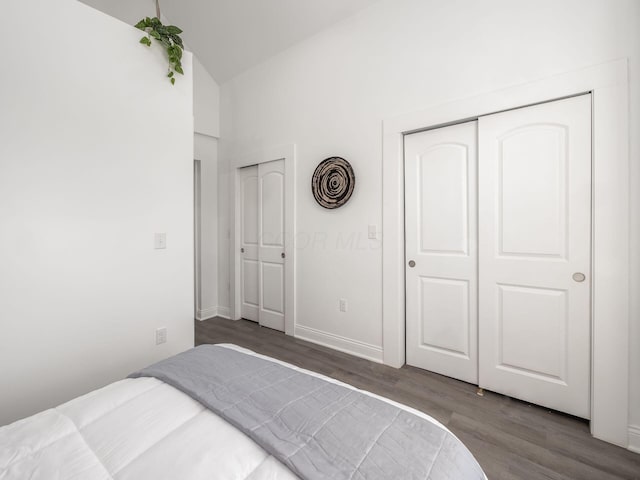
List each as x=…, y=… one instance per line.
x=286, y=153
x=610, y=306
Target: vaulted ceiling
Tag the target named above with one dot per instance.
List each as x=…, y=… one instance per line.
x=231, y=36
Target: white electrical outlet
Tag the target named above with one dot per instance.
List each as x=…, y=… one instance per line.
x=161, y=335
x=160, y=241
x=343, y=304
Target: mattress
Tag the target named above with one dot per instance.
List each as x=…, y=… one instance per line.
x=138, y=428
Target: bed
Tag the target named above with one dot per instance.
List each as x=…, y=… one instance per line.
x=263, y=419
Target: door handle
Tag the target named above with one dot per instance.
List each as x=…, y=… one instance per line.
x=412, y=263
x=242, y=250
x=578, y=277
x=282, y=255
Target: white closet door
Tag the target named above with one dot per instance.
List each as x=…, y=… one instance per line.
x=441, y=250
x=535, y=247
x=250, y=295
x=271, y=244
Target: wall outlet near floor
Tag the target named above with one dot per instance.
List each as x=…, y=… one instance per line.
x=343, y=305
x=161, y=335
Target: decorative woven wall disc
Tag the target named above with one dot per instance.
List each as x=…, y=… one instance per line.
x=332, y=183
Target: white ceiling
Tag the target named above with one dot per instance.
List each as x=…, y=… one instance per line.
x=231, y=36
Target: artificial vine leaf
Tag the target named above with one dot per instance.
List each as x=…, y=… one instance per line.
x=176, y=39
x=169, y=37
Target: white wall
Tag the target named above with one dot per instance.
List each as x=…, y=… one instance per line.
x=330, y=94
x=206, y=112
x=206, y=92
x=206, y=101
x=96, y=155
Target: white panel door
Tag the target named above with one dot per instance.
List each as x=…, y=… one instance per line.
x=441, y=250
x=249, y=236
x=535, y=248
x=271, y=244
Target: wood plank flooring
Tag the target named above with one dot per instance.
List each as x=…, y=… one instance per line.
x=511, y=439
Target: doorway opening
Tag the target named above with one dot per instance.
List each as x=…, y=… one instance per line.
x=197, y=240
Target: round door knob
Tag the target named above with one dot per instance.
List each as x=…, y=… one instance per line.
x=579, y=277
x=412, y=263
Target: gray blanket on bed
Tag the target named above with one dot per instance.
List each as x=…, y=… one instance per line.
x=316, y=428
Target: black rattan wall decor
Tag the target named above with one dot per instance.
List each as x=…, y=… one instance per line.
x=333, y=182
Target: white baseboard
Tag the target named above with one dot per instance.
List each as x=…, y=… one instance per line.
x=337, y=342
x=634, y=438
x=211, y=312
x=206, y=313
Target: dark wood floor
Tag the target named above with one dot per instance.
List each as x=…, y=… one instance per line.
x=510, y=439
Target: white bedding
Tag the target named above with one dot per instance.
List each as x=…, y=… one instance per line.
x=136, y=429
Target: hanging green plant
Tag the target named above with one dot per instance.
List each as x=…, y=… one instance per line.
x=169, y=36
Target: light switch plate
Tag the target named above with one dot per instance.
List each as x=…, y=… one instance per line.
x=160, y=241
x=161, y=335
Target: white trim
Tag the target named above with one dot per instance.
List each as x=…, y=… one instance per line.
x=207, y=313
x=634, y=438
x=610, y=299
x=340, y=343
x=288, y=154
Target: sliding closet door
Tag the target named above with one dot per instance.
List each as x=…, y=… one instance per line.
x=441, y=252
x=535, y=248
x=271, y=244
x=250, y=294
